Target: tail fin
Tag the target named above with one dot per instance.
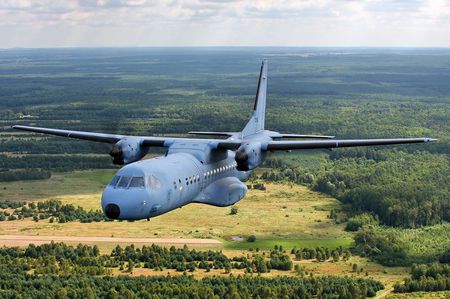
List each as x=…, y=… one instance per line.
x=256, y=122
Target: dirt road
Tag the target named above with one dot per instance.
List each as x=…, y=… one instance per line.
x=22, y=240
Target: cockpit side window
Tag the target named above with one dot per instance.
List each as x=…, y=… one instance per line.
x=153, y=182
x=137, y=182
x=123, y=183
x=114, y=181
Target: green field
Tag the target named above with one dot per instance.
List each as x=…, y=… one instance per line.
x=285, y=212
x=288, y=243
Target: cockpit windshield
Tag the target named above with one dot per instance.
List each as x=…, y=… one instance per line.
x=123, y=183
x=114, y=181
x=137, y=182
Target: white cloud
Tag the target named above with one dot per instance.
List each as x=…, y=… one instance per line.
x=34, y=23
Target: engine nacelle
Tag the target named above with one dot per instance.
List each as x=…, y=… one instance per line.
x=248, y=156
x=128, y=150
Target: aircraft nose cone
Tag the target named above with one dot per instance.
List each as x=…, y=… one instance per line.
x=112, y=211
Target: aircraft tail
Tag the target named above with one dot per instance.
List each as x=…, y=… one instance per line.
x=256, y=122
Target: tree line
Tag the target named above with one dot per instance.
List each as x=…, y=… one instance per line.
x=429, y=278
x=52, y=209
x=63, y=271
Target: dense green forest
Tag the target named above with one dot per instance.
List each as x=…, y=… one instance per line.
x=57, y=270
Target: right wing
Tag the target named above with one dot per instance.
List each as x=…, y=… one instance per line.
x=317, y=144
x=144, y=140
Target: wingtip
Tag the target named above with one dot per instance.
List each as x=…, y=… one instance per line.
x=431, y=139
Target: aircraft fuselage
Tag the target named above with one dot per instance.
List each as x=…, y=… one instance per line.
x=152, y=187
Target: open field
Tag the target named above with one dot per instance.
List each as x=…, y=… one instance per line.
x=286, y=215
x=107, y=243
x=420, y=295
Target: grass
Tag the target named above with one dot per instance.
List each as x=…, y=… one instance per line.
x=60, y=186
x=421, y=295
x=280, y=214
x=288, y=243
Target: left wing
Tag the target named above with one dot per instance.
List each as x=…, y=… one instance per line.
x=316, y=144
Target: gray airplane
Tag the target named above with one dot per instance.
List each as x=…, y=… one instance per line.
x=208, y=171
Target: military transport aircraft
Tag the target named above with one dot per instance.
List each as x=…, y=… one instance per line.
x=208, y=171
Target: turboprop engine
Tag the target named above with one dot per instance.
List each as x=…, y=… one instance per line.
x=248, y=156
x=128, y=150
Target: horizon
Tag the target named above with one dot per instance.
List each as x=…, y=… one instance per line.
x=235, y=47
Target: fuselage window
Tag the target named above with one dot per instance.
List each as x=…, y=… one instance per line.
x=123, y=183
x=153, y=182
x=114, y=181
x=137, y=182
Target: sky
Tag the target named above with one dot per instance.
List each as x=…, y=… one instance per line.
x=129, y=23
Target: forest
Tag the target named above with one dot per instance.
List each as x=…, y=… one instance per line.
x=57, y=270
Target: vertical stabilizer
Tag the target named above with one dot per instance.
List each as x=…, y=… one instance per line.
x=256, y=122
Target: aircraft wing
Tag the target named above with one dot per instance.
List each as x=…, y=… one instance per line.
x=317, y=144
x=114, y=138
x=221, y=143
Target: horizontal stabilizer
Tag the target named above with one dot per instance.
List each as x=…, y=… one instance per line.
x=226, y=134
x=300, y=136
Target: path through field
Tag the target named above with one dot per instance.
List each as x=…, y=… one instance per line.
x=22, y=240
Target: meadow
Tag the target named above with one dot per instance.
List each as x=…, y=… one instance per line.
x=287, y=215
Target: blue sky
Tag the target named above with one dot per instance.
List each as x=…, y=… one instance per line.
x=73, y=23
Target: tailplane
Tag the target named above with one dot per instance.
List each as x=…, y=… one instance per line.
x=256, y=122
